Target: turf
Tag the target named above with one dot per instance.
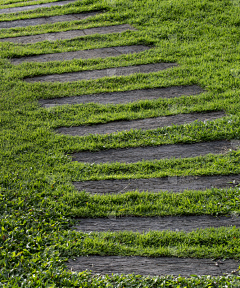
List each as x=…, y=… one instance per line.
x=38, y=202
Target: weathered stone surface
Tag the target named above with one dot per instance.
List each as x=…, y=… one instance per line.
x=174, y=184
x=96, y=74
x=46, y=20
x=144, y=224
x=144, y=124
x=125, y=97
x=152, y=266
x=83, y=54
x=132, y=155
x=32, y=7
x=66, y=35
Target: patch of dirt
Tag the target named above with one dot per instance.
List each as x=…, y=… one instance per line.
x=144, y=124
x=145, y=224
x=152, y=266
x=96, y=74
x=32, y=7
x=125, y=97
x=46, y=20
x=83, y=54
x=65, y=35
x=174, y=184
x=133, y=155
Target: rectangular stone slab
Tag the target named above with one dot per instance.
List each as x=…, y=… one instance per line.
x=32, y=7
x=172, y=184
x=46, y=20
x=96, y=74
x=144, y=124
x=66, y=35
x=159, y=266
x=83, y=54
x=125, y=97
x=137, y=154
x=145, y=224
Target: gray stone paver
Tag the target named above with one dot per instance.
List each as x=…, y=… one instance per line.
x=96, y=74
x=67, y=35
x=32, y=7
x=46, y=20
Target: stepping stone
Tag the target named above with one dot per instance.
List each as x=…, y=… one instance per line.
x=83, y=54
x=152, y=266
x=96, y=74
x=125, y=97
x=133, y=155
x=144, y=224
x=46, y=20
x=174, y=184
x=144, y=124
x=32, y=7
x=66, y=35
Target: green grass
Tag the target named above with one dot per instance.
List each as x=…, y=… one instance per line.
x=38, y=202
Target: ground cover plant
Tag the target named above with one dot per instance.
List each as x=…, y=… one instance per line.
x=38, y=202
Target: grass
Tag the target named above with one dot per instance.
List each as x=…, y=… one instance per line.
x=38, y=202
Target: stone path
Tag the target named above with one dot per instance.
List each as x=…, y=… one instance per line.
x=145, y=224
x=46, y=20
x=83, y=54
x=66, y=35
x=144, y=124
x=133, y=155
x=152, y=266
x=134, y=264
x=32, y=7
x=96, y=74
x=125, y=97
x=173, y=184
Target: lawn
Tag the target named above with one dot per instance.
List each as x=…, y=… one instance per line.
x=38, y=202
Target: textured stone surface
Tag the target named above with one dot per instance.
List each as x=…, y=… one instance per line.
x=96, y=74
x=83, y=54
x=65, y=35
x=152, y=266
x=141, y=224
x=32, y=7
x=132, y=155
x=174, y=184
x=125, y=97
x=144, y=124
x=45, y=20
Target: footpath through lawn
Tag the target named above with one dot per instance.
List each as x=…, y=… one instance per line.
x=120, y=136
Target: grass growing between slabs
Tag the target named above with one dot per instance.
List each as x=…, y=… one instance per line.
x=37, y=199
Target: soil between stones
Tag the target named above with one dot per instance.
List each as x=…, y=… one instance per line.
x=173, y=184
x=46, y=20
x=83, y=54
x=144, y=124
x=96, y=74
x=66, y=35
x=125, y=97
x=132, y=155
x=32, y=7
x=141, y=224
x=152, y=266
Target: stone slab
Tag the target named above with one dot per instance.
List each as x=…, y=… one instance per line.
x=37, y=6
x=143, y=124
x=145, y=224
x=45, y=20
x=172, y=184
x=125, y=97
x=159, y=266
x=66, y=35
x=133, y=155
x=83, y=54
x=96, y=74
